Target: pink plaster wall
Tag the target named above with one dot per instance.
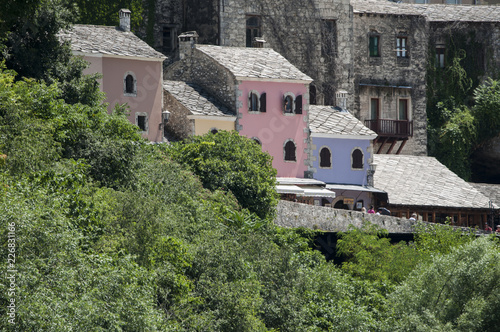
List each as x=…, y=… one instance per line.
x=149, y=96
x=273, y=128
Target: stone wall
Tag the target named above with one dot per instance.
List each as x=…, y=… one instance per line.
x=290, y=215
x=380, y=77
x=298, y=30
x=179, y=126
x=207, y=73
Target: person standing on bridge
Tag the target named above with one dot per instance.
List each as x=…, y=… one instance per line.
x=371, y=210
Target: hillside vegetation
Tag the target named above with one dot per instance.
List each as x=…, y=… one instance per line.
x=102, y=231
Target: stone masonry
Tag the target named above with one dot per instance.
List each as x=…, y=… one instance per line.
x=291, y=215
x=390, y=78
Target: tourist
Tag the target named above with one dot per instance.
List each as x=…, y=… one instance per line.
x=413, y=217
x=487, y=228
x=371, y=210
x=498, y=229
x=363, y=209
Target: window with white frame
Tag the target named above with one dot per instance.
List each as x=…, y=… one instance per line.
x=374, y=44
x=357, y=159
x=401, y=46
x=290, y=150
x=130, y=84
x=325, y=157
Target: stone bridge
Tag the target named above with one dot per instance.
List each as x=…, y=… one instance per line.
x=290, y=215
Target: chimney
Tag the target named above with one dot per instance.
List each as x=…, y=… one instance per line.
x=124, y=19
x=341, y=99
x=187, y=42
x=258, y=42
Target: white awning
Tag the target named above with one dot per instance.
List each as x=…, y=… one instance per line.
x=289, y=189
x=318, y=192
x=353, y=188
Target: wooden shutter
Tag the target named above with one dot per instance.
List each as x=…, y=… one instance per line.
x=298, y=104
x=263, y=102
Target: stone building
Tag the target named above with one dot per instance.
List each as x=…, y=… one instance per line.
x=390, y=43
x=267, y=95
x=377, y=50
x=131, y=71
x=316, y=36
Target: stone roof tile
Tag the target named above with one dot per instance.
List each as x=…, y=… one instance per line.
x=195, y=99
x=424, y=181
x=329, y=120
x=254, y=62
x=107, y=40
x=433, y=12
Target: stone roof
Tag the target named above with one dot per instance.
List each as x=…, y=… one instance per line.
x=424, y=181
x=329, y=120
x=196, y=100
x=492, y=191
x=433, y=13
x=94, y=39
x=248, y=62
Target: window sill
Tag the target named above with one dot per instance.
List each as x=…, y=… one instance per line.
x=290, y=161
x=255, y=112
x=130, y=94
x=289, y=114
x=325, y=167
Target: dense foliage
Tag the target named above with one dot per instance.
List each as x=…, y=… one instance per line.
x=101, y=231
x=231, y=162
x=461, y=105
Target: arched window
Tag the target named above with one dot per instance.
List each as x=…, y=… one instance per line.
x=257, y=140
x=130, y=84
x=254, y=103
x=325, y=158
x=290, y=151
x=288, y=104
x=357, y=159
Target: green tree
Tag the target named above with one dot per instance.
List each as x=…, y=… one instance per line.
x=456, y=292
x=487, y=104
x=370, y=255
x=234, y=163
x=100, y=12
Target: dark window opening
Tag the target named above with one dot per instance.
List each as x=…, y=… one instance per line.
x=403, y=109
x=169, y=39
x=129, y=84
x=312, y=94
x=325, y=158
x=256, y=140
x=290, y=151
x=252, y=29
x=374, y=109
x=214, y=131
x=141, y=122
x=288, y=107
x=440, y=53
x=374, y=46
x=329, y=38
x=254, y=103
x=357, y=159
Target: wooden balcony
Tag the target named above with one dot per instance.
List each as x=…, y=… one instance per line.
x=399, y=129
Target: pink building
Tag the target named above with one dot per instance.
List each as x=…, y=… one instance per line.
x=132, y=71
x=267, y=94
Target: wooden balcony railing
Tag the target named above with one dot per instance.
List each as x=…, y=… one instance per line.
x=391, y=128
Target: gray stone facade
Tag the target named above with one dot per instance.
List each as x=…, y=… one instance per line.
x=389, y=78
x=329, y=41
